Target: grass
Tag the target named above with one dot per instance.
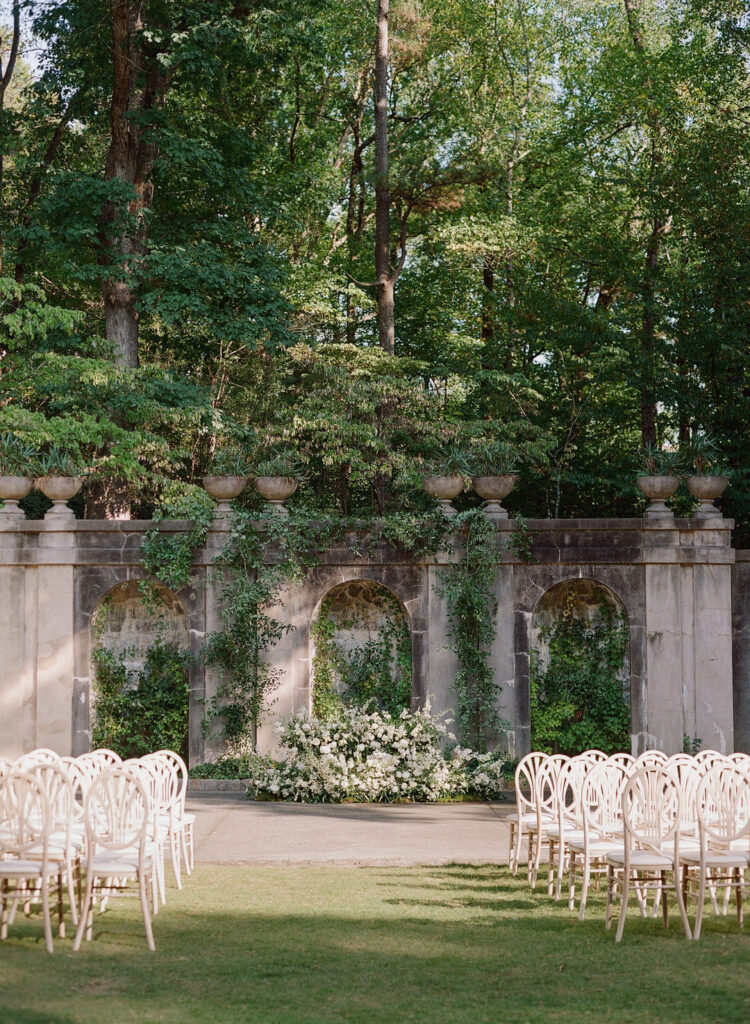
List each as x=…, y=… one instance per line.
x=318, y=945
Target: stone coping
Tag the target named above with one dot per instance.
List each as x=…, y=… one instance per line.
x=61, y=524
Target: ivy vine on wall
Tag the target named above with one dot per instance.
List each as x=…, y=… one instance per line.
x=578, y=700
x=376, y=674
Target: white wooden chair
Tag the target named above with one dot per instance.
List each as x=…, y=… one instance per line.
x=545, y=803
x=525, y=813
x=26, y=869
x=569, y=825
x=651, y=816
x=601, y=820
x=181, y=820
x=118, y=816
x=723, y=802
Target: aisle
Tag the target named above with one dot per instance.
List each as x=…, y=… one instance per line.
x=230, y=829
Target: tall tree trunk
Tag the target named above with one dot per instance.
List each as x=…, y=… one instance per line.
x=6, y=74
x=385, y=279
x=488, y=300
x=660, y=225
x=140, y=84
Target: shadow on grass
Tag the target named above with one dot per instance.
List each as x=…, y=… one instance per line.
x=373, y=946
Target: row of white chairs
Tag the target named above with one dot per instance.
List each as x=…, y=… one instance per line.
x=63, y=819
x=654, y=823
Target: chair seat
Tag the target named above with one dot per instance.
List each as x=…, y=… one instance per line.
x=528, y=817
x=570, y=835
x=21, y=869
x=717, y=858
x=116, y=864
x=186, y=819
x=597, y=847
x=641, y=860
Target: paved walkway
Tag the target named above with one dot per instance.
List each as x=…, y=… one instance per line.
x=230, y=829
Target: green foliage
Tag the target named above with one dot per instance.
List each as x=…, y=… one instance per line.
x=691, y=744
x=168, y=558
x=521, y=540
x=17, y=457
x=468, y=589
x=578, y=700
x=135, y=714
x=248, y=586
x=493, y=458
x=376, y=675
x=226, y=768
x=657, y=461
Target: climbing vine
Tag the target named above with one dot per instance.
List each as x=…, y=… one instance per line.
x=578, y=700
x=375, y=675
x=468, y=589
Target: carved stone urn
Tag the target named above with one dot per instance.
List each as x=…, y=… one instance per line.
x=707, y=489
x=444, y=488
x=224, y=489
x=59, y=489
x=493, y=489
x=12, y=489
x=657, y=489
x=276, y=489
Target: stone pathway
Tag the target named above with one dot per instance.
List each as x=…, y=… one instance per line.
x=230, y=829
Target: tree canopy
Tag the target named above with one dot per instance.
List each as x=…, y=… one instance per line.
x=209, y=210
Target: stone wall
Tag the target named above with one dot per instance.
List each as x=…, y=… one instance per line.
x=676, y=580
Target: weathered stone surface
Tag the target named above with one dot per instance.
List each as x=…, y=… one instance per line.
x=687, y=605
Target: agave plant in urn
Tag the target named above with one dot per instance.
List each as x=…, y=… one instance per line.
x=278, y=477
x=495, y=472
x=227, y=478
x=658, y=479
x=710, y=476
x=447, y=467
x=59, y=476
x=17, y=462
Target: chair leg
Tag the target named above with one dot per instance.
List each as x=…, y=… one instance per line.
x=4, y=910
x=680, y=885
x=701, y=898
x=146, y=912
x=572, y=882
x=86, y=912
x=174, y=853
x=738, y=880
x=47, y=917
x=584, y=886
x=664, y=905
x=623, y=905
x=60, y=917
x=610, y=883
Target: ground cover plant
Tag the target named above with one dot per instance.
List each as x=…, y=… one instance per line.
x=325, y=945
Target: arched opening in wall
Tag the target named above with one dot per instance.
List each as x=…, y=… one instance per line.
x=580, y=670
x=140, y=662
x=361, y=650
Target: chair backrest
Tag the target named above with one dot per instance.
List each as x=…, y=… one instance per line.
x=600, y=800
x=24, y=816
x=58, y=790
x=40, y=756
x=651, y=808
x=166, y=781
x=650, y=759
x=740, y=759
x=526, y=773
x=569, y=789
x=117, y=809
x=546, y=784
x=708, y=758
x=623, y=760
x=723, y=801
x=687, y=774
x=182, y=772
x=594, y=756
x=108, y=757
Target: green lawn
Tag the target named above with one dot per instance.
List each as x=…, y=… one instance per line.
x=313, y=945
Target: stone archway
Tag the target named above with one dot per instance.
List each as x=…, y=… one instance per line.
x=361, y=648
x=580, y=668
x=122, y=623
x=140, y=664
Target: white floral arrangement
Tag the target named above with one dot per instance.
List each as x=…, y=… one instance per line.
x=373, y=756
